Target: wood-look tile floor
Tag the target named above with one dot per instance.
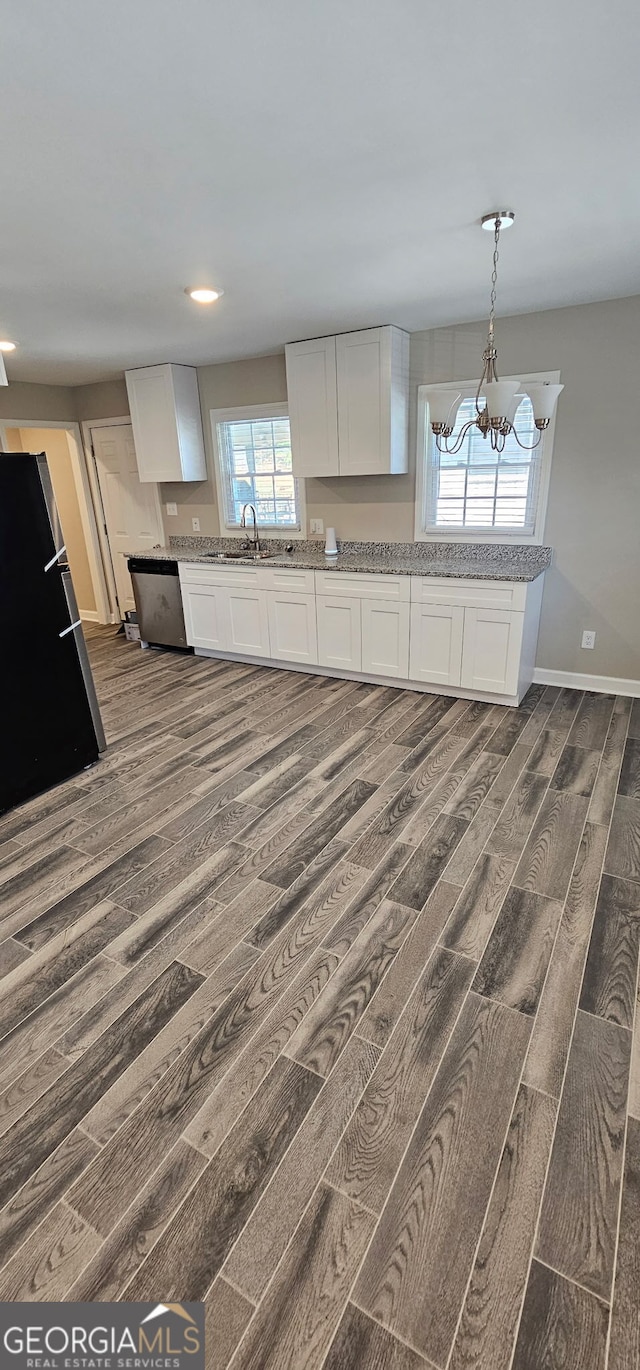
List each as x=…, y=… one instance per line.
x=318, y=1005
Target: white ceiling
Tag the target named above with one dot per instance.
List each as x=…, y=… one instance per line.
x=324, y=161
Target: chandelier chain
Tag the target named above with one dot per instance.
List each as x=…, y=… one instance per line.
x=494, y=280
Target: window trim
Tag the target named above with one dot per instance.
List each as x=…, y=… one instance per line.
x=481, y=534
x=236, y=414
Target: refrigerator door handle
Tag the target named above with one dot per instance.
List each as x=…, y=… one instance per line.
x=72, y=627
x=55, y=558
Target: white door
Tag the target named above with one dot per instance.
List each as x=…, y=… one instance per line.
x=339, y=632
x=385, y=638
x=313, y=406
x=248, y=622
x=491, y=655
x=206, y=616
x=131, y=509
x=436, y=643
x=292, y=626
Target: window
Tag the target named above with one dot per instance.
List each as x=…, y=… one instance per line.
x=478, y=494
x=253, y=466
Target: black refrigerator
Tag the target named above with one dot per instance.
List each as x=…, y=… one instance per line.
x=50, y=721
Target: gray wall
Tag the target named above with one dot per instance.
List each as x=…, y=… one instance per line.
x=107, y=400
x=21, y=400
x=593, y=515
x=593, y=519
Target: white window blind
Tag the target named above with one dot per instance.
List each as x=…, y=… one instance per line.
x=255, y=468
x=481, y=490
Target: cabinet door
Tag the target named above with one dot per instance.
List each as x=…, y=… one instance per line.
x=436, y=643
x=385, y=638
x=373, y=385
x=339, y=632
x=248, y=622
x=313, y=406
x=206, y=616
x=491, y=655
x=363, y=407
x=292, y=626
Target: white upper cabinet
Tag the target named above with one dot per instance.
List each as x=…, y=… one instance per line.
x=349, y=403
x=167, y=425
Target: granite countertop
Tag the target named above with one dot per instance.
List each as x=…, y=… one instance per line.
x=473, y=561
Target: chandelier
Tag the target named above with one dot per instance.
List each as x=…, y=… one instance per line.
x=496, y=420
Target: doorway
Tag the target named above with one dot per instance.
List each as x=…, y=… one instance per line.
x=73, y=498
x=132, y=514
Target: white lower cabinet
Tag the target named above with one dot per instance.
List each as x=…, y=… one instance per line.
x=248, y=622
x=473, y=636
x=436, y=643
x=385, y=638
x=292, y=627
x=339, y=632
x=491, y=652
x=206, y=617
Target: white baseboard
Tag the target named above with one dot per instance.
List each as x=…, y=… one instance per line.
x=89, y=615
x=577, y=680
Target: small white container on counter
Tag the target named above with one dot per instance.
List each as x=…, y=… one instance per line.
x=330, y=546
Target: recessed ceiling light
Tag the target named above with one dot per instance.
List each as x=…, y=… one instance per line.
x=204, y=294
x=6, y=346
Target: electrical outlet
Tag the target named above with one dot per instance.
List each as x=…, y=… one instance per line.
x=195, y=524
x=589, y=638
x=317, y=526
x=172, y=508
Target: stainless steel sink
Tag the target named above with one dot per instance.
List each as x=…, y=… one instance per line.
x=239, y=556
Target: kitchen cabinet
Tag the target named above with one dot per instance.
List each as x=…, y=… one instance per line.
x=167, y=424
x=436, y=643
x=385, y=638
x=339, y=632
x=349, y=403
x=491, y=650
x=474, y=638
x=292, y=626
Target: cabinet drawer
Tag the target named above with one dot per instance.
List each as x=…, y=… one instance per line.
x=199, y=573
x=286, y=578
x=480, y=594
x=357, y=585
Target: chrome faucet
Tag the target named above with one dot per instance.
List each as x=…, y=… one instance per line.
x=243, y=524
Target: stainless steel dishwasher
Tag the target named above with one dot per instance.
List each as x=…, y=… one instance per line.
x=156, y=588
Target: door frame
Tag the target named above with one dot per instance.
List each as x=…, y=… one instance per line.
x=90, y=523
x=94, y=481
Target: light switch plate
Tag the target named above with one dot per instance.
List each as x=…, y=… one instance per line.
x=316, y=526
x=172, y=508
x=195, y=524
